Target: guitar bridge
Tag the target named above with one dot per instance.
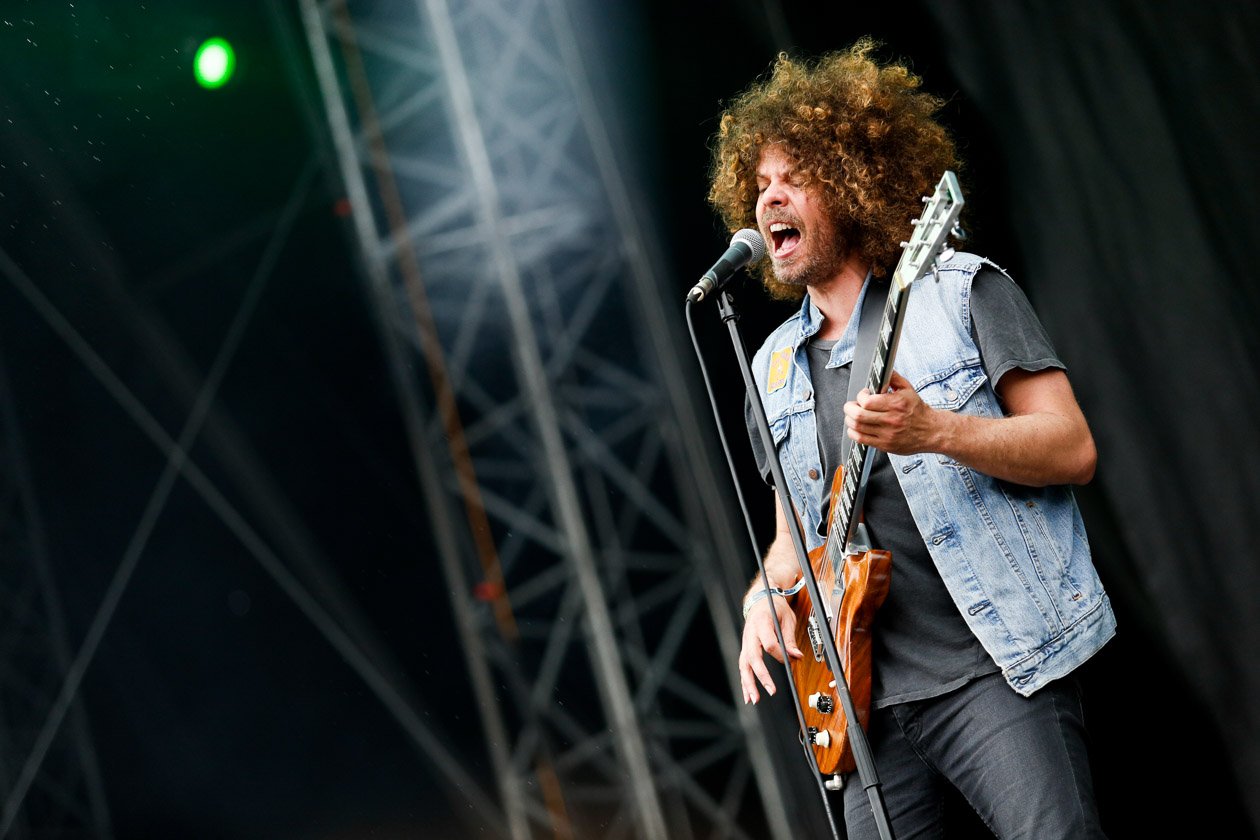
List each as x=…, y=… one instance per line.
x=815, y=638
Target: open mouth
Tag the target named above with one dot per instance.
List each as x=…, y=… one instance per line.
x=783, y=238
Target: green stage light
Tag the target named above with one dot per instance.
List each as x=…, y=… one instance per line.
x=214, y=63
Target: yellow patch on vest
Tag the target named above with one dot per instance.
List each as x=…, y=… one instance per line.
x=779, y=363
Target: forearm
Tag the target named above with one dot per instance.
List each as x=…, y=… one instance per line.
x=781, y=566
x=1035, y=449
x=1042, y=439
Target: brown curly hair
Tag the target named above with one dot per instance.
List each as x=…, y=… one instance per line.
x=862, y=131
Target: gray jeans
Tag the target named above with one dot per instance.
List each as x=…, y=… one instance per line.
x=1020, y=762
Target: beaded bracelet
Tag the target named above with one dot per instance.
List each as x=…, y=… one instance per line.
x=752, y=599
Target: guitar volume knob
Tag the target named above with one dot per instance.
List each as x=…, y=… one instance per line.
x=822, y=702
x=818, y=737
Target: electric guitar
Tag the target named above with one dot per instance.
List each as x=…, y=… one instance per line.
x=863, y=571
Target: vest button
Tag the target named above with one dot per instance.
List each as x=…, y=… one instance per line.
x=813, y=473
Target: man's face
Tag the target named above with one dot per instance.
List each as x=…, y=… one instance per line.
x=800, y=237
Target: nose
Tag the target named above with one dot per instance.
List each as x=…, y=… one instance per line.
x=773, y=195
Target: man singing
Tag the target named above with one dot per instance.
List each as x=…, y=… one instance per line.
x=994, y=600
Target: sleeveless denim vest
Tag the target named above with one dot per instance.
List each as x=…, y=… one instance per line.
x=1015, y=559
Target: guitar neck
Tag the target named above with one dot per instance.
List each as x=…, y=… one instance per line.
x=857, y=465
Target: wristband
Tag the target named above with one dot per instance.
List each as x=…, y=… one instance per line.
x=752, y=599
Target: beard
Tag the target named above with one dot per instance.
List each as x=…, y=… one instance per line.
x=820, y=262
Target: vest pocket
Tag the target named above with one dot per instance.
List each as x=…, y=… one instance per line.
x=951, y=390
x=779, y=428
x=1054, y=547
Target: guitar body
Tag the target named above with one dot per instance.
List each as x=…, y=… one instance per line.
x=866, y=577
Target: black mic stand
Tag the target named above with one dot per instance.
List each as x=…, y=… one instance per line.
x=866, y=770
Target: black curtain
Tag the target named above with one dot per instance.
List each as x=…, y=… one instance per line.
x=1130, y=171
x=1112, y=167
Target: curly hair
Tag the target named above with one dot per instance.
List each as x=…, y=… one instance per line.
x=862, y=132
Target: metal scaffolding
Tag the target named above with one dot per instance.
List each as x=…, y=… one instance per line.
x=582, y=532
x=61, y=794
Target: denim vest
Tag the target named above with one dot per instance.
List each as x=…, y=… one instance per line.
x=1015, y=559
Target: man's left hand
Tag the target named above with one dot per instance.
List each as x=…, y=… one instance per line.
x=896, y=421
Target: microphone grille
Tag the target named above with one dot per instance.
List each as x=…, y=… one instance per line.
x=753, y=240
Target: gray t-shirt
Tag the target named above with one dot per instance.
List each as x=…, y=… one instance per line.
x=922, y=645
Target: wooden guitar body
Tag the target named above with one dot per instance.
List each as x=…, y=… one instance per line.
x=866, y=577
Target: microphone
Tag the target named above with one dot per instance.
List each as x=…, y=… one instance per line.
x=747, y=246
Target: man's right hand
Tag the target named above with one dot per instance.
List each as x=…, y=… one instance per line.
x=760, y=639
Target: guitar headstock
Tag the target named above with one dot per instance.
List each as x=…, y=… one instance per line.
x=939, y=220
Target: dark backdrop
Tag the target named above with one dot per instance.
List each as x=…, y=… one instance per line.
x=1111, y=167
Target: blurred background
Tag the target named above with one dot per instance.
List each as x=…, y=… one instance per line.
x=357, y=476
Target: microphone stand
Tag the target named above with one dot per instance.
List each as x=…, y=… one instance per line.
x=866, y=770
